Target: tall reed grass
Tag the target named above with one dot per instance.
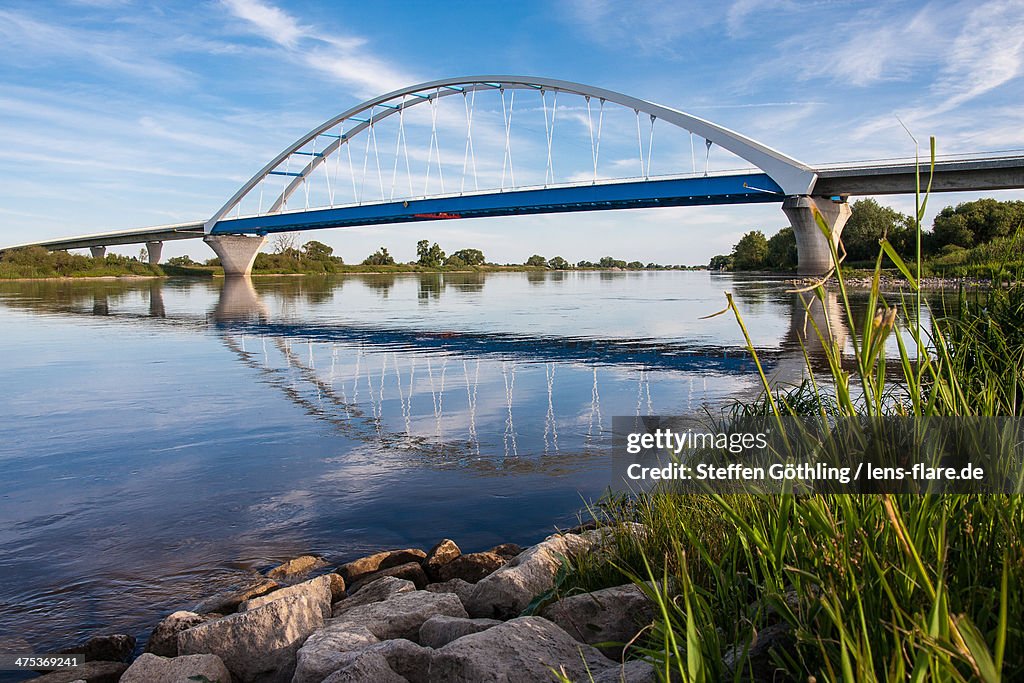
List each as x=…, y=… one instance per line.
x=844, y=587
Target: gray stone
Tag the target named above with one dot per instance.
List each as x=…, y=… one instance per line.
x=324, y=652
x=112, y=648
x=370, y=668
x=441, y=554
x=150, y=668
x=91, y=672
x=506, y=550
x=405, y=658
x=228, y=601
x=164, y=639
x=258, y=645
x=471, y=567
x=410, y=571
x=438, y=631
x=375, y=591
x=609, y=615
x=523, y=649
x=357, y=569
x=633, y=671
x=297, y=566
x=755, y=662
x=402, y=615
x=461, y=588
x=506, y=592
x=319, y=589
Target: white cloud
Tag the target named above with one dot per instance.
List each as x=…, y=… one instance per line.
x=269, y=21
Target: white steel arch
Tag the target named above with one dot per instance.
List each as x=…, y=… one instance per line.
x=794, y=177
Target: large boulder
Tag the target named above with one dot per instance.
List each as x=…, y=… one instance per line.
x=324, y=652
x=402, y=615
x=370, y=668
x=112, y=648
x=150, y=668
x=357, y=569
x=609, y=615
x=410, y=571
x=470, y=568
x=163, y=641
x=258, y=645
x=441, y=554
x=438, y=631
x=319, y=589
x=461, y=588
x=297, y=566
x=506, y=550
x=633, y=671
x=523, y=649
x=92, y=672
x=228, y=601
x=506, y=592
x=375, y=591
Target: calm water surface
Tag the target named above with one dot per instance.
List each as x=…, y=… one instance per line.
x=161, y=440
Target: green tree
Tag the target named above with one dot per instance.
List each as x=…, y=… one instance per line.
x=558, y=263
x=181, y=261
x=454, y=261
x=429, y=256
x=974, y=223
x=868, y=223
x=381, y=257
x=537, y=260
x=610, y=262
x=751, y=252
x=782, y=250
x=470, y=257
x=720, y=262
x=635, y=265
x=317, y=251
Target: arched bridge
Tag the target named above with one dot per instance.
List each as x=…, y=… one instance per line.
x=507, y=145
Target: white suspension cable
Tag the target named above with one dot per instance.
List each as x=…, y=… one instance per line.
x=398, y=149
x=470, y=157
x=693, y=158
x=639, y=140
x=650, y=149
x=351, y=167
x=549, y=132
x=707, y=157
x=376, y=155
x=507, y=117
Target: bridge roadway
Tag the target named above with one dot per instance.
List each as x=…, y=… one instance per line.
x=833, y=182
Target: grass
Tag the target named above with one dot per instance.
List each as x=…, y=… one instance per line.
x=839, y=587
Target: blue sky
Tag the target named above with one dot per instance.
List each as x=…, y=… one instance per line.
x=118, y=114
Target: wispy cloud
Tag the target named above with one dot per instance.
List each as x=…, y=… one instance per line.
x=345, y=59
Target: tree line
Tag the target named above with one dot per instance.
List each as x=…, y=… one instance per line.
x=966, y=226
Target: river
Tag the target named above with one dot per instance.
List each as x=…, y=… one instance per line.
x=162, y=439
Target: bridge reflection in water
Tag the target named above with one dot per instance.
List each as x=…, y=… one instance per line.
x=488, y=397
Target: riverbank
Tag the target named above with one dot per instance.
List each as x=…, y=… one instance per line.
x=397, y=615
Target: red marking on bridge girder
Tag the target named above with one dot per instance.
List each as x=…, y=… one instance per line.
x=439, y=214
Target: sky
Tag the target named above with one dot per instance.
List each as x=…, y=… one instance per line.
x=116, y=114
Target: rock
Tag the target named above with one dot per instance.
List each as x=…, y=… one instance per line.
x=470, y=568
x=150, y=668
x=357, y=569
x=258, y=645
x=461, y=588
x=114, y=648
x=438, y=631
x=228, y=601
x=402, y=615
x=324, y=652
x=755, y=662
x=404, y=657
x=375, y=591
x=506, y=592
x=506, y=550
x=91, y=672
x=370, y=668
x=319, y=589
x=163, y=641
x=633, y=671
x=441, y=554
x=296, y=567
x=609, y=615
x=523, y=649
x=410, y=571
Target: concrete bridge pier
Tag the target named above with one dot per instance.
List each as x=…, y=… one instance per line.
x=236, y=252
x=814, y=257
x=98, y=252
x=154, y=249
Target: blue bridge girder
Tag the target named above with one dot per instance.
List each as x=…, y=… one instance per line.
x=743, y=188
